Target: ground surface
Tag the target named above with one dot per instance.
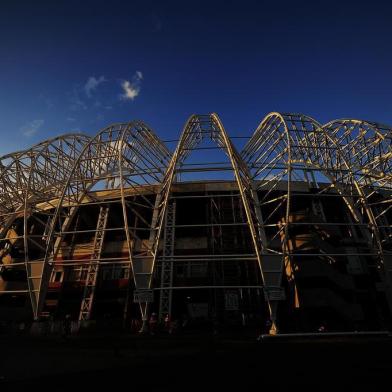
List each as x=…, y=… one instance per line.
x=165, y=363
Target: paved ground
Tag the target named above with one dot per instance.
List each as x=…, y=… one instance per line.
x=163, y=363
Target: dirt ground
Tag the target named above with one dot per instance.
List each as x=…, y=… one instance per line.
x=168, y=363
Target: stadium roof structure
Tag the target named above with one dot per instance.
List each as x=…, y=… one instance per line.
x=353, y=157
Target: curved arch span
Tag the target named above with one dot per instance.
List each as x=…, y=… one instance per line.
x=295, y=148
x=193, y=133
x=124, y=155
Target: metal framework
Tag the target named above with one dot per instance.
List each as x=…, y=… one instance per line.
x=93, y=268
x=31, y=181
x=165, y=299
x=296, y=149
x=368, y=149
x=289, y=156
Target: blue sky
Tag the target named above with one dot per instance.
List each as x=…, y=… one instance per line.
x=80, y=65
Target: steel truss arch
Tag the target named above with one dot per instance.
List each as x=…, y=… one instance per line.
x=356, y=157
x=30, y=180
x=37, y=174
x=366, y=145
x=40, y=170
x=294, y=147
x=124, y=155
x=288, y=157
x=368, y=148
x=271, y=154
x=195, y=129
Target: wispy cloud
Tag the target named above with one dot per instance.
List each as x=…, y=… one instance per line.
x=90, y=96
x=92, y=84
x=48, y=101
x=32, y=127
x=131, y=89
x=75, y=100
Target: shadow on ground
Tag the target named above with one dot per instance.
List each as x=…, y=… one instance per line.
x=165, y=363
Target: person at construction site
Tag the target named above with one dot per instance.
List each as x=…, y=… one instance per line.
x=167, y=323
x=322, y=328
x=268, y=325
x=173, y=327
x=215, y=325
x=135, y=325
x=153, y=323
x=67, y=326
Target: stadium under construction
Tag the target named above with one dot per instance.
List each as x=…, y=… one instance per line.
x=287, y=230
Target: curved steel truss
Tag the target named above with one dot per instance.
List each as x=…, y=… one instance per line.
x=368, y=148
x=287, y=157
x=198, y=128
x=122, y=156
x=30, y=180
x=296, y=150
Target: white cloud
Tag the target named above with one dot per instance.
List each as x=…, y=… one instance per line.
x=92, y=84
x=131, y=89
x=32, y=127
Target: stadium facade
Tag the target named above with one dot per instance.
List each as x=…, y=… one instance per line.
x=284, y=231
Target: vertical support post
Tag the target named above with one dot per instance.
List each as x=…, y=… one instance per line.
x=93, y=268
x=44, y=269
x=166, y=292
